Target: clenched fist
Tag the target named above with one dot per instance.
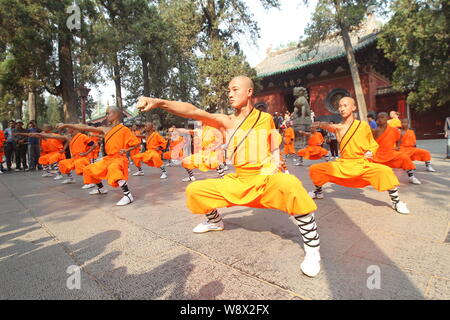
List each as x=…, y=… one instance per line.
x=146, y=104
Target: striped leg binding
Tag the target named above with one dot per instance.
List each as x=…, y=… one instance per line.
x=214, y=217
x=308, y=229
x=393, y=194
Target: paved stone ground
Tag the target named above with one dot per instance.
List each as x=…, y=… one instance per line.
x=147, y=250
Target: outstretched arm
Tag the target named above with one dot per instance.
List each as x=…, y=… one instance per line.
x=49, y=136
x=82, y=127
x=185, y=110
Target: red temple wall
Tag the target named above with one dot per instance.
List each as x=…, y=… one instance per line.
x=273, y=100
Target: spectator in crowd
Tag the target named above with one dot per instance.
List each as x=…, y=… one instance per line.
x=372, y=122
x=333, y=143
x=34, y=149
x=10, y=144
x=21, y=146
x=275, y=120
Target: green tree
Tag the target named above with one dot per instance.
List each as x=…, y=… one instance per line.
x=417, y=40
x=338, y=18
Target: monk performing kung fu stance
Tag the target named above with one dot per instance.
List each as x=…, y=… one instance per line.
x=388, y=139
x=80, y=146
x=208, y=153
x=408, y=146
x=176, y=145
x=289, y=137
x=314, y=150
x=52, y=150
x=257, y=182
x=114, y=165
x=151, y=157
x=355, y=168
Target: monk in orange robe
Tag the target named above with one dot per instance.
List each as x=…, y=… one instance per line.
x=52, y=149
x=208, y=151
x=257, y=182
x=96, y=138
x=80, y=146
x=140, y=136
x=151, y=157
x=289, y=137
x=176, y=146
x=314, y=150
x=408, y=147
x=355, y=169
x=388, y=139
x=2, y=151
x=119, y=140
x=394, y=121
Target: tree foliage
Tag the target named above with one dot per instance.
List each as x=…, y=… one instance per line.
x=417, y=40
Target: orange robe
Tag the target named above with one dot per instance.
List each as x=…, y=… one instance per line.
x=78, y=144
x=314, y=151
x=151, y=157
x=408, y=146
x=114, y=166
x=257, y=182
x=208, y=154
x=387, y=155
x=2, y=144
x=352, y=169
x=51, y=151
x=94, y=154
x=138, y=149
x=289, y=137
x=395, y=123
x=175, y=149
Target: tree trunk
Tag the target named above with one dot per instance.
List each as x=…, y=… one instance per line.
x=66, y=77
x=18, y=109
x=355, y=74
x=31, y=105
x=117, y=82
x=145, y=75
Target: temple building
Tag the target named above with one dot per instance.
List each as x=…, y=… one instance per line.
x=325, y=74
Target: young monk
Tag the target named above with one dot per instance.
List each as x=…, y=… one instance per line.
x=208, y=153
x=314, y=150
x=80, y=146
x=355, y=169
x=257, y=182
x=394, y=121
x=52, y=150
x=289, y=137
x=96, y=138
x=151, y=157
x=388, y=139
x=408, y=146
x=114, y=166
x=177, y=143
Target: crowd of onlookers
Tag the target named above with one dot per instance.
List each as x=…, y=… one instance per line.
x=23, y=151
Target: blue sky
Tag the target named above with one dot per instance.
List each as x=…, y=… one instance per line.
x=277, y=27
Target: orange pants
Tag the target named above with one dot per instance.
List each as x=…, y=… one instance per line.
x=51, y=158
x=354, y=173
x=67, y=165
x=111, y=168
x=312, y=152
x=417, y=154
x=204, y=160
x=289, y=148
x=401, y=161
x=152, y=158
x=249, y=189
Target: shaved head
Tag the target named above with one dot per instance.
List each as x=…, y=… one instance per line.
x=348, y=100
x=243, y=81
x=113, y=109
